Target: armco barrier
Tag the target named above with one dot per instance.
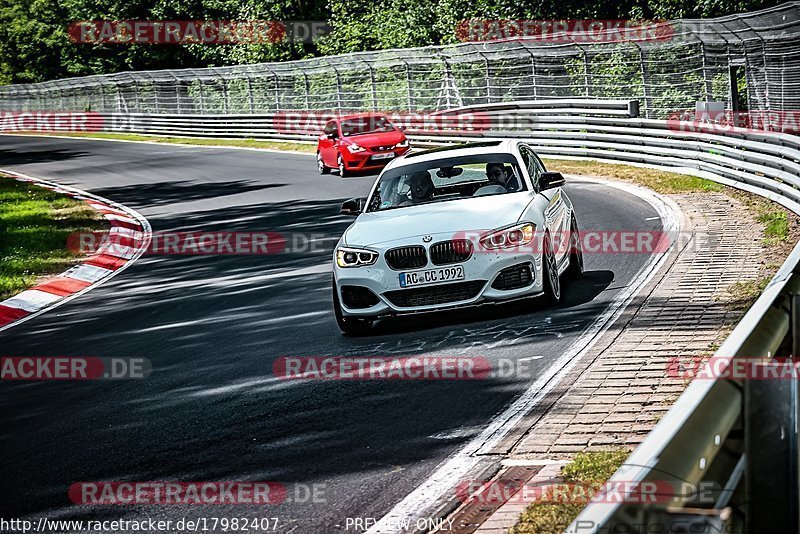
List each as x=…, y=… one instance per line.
x=740, y=436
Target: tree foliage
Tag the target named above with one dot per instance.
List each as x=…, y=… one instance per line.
x=34, y=44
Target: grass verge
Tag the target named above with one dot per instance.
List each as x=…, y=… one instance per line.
x=34, y=225
x=241, y=143
x=590, y=468
x=659, y=181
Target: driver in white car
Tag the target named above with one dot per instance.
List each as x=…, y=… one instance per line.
x=420, y=188
x=498, y=174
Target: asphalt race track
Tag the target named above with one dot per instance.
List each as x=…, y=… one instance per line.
x=212, y=326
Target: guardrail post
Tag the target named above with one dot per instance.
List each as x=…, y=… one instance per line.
x=633, y=109
x=772, y=494
x=794, y=302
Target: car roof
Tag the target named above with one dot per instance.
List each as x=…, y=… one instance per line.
x=453, y=151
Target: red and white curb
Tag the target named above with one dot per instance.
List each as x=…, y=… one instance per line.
x=127, y=227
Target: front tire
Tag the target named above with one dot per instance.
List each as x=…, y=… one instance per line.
x=575, y=269
x=342, y=169
x=350, y=326
x=323, y=169
x=552, y=283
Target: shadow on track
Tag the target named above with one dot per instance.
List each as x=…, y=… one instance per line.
x=168, y=193
x=20, y=157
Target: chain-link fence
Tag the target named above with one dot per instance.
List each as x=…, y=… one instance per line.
x=755, y=57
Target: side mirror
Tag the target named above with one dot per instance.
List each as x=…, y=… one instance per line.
x=353, y=207
x=332, y=135
x=551, y=180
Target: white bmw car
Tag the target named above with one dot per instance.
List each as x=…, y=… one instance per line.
x=455, y=227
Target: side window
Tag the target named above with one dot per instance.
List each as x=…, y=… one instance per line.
x=330, y=128
x=535, y=168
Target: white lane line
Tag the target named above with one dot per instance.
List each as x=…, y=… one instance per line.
x=457, y=467
x=197, y=148
x=651, y=219
x=120, y=218
x=530, y=358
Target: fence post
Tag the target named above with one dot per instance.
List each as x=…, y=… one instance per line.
x=645, y=82
x=488, y=74
x=408, y=85
x=308, y=90
x=533, y=72
x=706, y=81
x=250, y=99
x=586, y=82
x=374, y=88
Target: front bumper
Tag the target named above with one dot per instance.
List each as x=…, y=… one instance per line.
x=362, y=161
x=484, y=267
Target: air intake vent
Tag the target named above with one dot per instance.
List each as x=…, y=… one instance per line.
x=431, y=296
x=514, y=277
x=357, y=297
x=412, y=257
x=447, y=252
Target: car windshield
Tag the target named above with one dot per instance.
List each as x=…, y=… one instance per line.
x=365, y=125
x=445, y=180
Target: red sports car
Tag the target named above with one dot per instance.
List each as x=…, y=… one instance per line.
x=362, y=142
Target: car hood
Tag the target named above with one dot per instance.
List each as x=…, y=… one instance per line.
x=451, y=217
x=377, y=139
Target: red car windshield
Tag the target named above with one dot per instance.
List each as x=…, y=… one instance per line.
x=365, y=125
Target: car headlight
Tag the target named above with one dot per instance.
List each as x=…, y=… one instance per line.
x=402, y=144
x=513, y=236
x=355, y=257
x=355, y=147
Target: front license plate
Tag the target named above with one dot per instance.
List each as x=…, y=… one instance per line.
x=387, y=155
x=432, y=276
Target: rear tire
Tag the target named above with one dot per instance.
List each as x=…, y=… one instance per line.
x=575, y=269
x=349, y=326
x=551, y=281
x=323, y=169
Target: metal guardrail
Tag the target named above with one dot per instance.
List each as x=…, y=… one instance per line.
x=727, y=432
